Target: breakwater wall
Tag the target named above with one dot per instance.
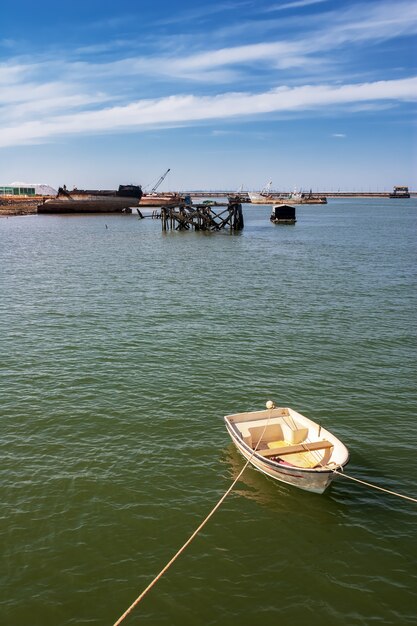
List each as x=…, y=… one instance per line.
x=243, y=195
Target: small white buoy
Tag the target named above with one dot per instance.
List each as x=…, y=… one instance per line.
x=270, y=404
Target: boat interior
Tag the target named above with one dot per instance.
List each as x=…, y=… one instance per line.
x=282, y=438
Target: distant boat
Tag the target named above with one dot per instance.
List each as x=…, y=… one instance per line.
x=266, y=196
x=283, y=214
x=159, y=200
x=288, y=447
x=293, y=198
x=93, y=201
x=153, y=199
x=400, y=192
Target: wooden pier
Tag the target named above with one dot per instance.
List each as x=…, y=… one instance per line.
x=211, y=216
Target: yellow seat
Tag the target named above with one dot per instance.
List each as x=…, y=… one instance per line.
x=300, y=459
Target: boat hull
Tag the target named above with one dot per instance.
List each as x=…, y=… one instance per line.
x=159, y=201
x=93, y=201
x=283, y=214
x=400, y=193
x=274, y=199
x=93, y=205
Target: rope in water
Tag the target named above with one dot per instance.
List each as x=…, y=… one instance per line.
x=214, y=509
x=189, y=540
x=363, y=482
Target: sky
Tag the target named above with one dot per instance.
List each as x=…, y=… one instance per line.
x=228, y=94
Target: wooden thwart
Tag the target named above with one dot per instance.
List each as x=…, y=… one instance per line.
x=301, y=447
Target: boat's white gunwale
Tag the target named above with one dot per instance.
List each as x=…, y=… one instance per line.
x=290, y=414
x=284, y=412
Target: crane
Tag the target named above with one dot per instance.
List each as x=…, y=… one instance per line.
x=155, y=187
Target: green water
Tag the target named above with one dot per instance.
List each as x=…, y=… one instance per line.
x=121, y=348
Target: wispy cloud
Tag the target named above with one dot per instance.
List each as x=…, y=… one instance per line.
x=189, y=109
x=49, y=97
x=376, y=22
x=355, y=24
x=339, y=135
x=225, y=64
x=222, y=133
x=294, y=5
x=203, y=12
x=280, y=52
x=11, y=74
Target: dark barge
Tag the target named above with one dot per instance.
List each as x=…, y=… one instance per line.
x=93, y=201
x=283, y=214
x=400, y=192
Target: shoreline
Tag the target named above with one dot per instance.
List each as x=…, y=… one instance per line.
x=7, y=211
x=11, y=207
x=20, y=206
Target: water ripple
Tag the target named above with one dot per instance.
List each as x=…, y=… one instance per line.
x=121, y=350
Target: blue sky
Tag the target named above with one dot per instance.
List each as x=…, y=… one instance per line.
x=314, y=94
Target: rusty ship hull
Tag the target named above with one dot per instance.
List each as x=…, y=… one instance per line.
x=93, y=201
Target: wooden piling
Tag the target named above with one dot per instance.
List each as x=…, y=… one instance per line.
x=209, y=217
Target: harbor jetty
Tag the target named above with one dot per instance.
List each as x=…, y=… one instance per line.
x=244, y=196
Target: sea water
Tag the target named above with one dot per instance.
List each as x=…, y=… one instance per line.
x=122, y=347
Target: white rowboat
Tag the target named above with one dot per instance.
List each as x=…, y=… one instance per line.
x=288, y=447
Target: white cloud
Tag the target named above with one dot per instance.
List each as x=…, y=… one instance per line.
x=294, y=5
x=10, y=74
x=189, y=109
x=201, y=13
x=276, y=51
x=339, y=135
x=380, y=21
x=308, y=52
x=49, y=97
x=358, y=23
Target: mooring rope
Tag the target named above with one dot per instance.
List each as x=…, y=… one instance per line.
x=195, y=533
x=363, y=482
x=216, y=507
